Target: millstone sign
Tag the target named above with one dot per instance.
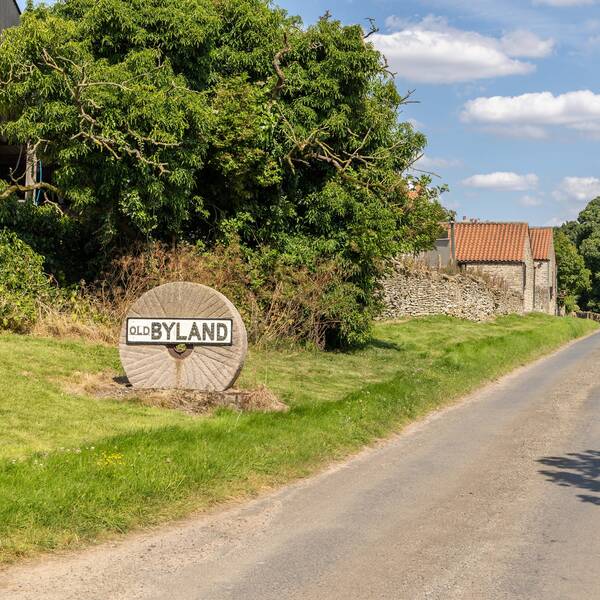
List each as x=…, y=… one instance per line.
x=183, y=336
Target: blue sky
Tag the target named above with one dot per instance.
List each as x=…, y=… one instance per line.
x=509, y=96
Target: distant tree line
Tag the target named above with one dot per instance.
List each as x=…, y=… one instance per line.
x=578, y=254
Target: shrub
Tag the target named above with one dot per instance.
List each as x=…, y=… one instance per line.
x=70, y=252
x=23, y=284
x=278, y=299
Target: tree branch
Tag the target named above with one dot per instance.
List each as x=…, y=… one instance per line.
x=278, y=87
x=11, y=189
x=372, y=28
x=116, y=148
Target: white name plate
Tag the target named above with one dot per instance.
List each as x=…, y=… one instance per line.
x=193, y=332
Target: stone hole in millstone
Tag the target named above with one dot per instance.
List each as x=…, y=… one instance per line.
x=180, y=351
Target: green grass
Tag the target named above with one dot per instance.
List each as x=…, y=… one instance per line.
x=74, y=469
x=36, y=415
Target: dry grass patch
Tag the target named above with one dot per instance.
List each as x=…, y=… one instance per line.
x=109, y=385
x=67, y=326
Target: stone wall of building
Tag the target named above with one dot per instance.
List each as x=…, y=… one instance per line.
x=519, y=277
x=545, y=286
x=415, y=290
x=543, y=301
x=511, y=274
x=529, y=281
x=542, y=285
x=553, y=281
x=545, y=276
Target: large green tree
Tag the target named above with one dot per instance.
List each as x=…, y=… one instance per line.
x=200, y=120
x=574, y=279
x=585, y=234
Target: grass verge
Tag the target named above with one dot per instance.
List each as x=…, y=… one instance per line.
x=74, y=470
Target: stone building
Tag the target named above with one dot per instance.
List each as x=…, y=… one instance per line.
x=501, y=251
x=520, y=256
x=544, y=260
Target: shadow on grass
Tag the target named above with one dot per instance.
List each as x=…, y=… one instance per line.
x=384, y=344
x=579, y=470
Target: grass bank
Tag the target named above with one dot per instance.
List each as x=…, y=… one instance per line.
x=74, y=469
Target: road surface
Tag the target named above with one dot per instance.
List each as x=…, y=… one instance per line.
x=497, y=497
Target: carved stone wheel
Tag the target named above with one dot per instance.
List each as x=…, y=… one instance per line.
x=209, y=368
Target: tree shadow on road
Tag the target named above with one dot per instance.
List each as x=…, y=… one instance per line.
x=578, y=470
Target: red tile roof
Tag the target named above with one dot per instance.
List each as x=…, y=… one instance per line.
x=541, y=238
x=490, y=242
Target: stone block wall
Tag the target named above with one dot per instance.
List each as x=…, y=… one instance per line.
x=414, y=290
x=545, y=286
x=529, y=276
x=543, y=302
x=518, y=276
x=509, y=273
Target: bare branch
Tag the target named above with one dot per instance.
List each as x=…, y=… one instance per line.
x=372, y=28
x=385, y=68
x=54, y=205
x=406, y=98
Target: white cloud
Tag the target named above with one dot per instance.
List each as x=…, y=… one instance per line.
x=519, y=131
x=555, y=222
x=394, y=22
x=429, y=162
x=578, y=189
x=501, y=180
x=525, y=43
x=528, y=200
x=533, y=112
x=433, y=52
x=563, y=3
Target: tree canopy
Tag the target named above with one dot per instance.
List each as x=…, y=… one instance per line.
x=584, y=233
x=574, y=279
x=207, y=120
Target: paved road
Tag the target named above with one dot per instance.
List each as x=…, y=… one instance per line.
x=498, y=497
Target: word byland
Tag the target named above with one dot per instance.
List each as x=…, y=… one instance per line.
x=195, y=332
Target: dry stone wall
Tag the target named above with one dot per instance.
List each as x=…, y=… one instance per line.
x=414, y=290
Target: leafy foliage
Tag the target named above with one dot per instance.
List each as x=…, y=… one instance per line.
x=55, y=236
x=574, y=278
x=158, y=123
x=585, y=234
x=22, y=283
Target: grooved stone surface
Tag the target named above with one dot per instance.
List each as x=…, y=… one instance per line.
x=210, y=368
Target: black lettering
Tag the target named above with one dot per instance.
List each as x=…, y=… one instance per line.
x=221, y=332
x=208, y=332
x=178, y=336
x=132, y=330
x=168, y=329
x=146, y=330
x=194, y=332
x=156, y=331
